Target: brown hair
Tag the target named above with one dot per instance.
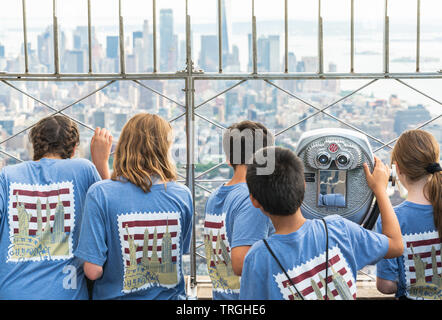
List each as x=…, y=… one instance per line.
x=246, y=133
x=54, y=135
x=414, y=152
x=143, y=150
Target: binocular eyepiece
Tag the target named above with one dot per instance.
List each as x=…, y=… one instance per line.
x=334, y=175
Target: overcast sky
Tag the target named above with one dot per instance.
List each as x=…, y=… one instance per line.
x=74, y=12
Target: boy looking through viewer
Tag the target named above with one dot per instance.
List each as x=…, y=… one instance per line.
x=300, y=244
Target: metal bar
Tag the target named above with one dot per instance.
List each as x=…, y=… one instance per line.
x=215, y=76
x=386, y=39
x=220, y=36
x=11, y=156
x=47, y=105
x=158, y=93
x=210, y=121
x=422, y=125
x=286, y=37
x=395, y=139
x=177, y=117
x=59, y=111
x=320, y=41
x=209, y=170
x=323, y=109
x=121, y=38
x=190, y=143
x=89, y=34
x=201, y=187
x=326, y=113
x=25, y=37
x=352, y=37
x=418, y=35
x=55, y=36
x=254, y=53
x=222, y=92
x=154, y=34
x=418, y=91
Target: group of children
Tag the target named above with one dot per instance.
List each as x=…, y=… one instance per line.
x=72, y=229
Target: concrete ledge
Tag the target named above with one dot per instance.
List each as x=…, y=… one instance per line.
x=366, y=289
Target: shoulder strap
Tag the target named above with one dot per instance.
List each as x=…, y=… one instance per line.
x=326, y=258
x=282, y=268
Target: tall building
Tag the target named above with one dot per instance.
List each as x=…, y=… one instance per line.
x=73, y=61
x=168, y=41
x=225, y=37
x=81, y=37
x=274, y=56
x=2, y=51
x=112, y=48
x=407, y=119
x=112, y=45
x=136, y=35
x=99, y=119
x=209, y=53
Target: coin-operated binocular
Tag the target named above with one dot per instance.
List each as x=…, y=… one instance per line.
x=334, y=175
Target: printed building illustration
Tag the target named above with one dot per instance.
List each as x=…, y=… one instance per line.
x=29, y=239
x=426, y=287
x=219, y=264
x=160, y=268
x=309, y=279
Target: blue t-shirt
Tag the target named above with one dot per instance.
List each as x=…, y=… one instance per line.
x=418, y=271
x=41, y=205
x=138, y=238
x=302, y=255
x=230, y=221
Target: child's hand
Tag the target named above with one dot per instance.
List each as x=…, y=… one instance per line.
x=378, y=180
x=101, y=145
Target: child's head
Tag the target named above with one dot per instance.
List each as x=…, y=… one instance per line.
x=242, y=139
x=143, y=150
x=54, y=136
x=280, y=193
x=417, y=156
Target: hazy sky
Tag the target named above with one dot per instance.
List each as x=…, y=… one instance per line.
x=74, y=12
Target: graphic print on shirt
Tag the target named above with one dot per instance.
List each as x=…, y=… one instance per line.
x=423, y=265
x=219, y=264
x=150, y=248
x=41, y=221
x=309, y=279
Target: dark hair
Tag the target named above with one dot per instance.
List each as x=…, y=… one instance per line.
x=242, y=139
x=281, y=192
x=54, y=135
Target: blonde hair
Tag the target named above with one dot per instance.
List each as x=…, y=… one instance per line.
x=414, y=152
x=143, y=150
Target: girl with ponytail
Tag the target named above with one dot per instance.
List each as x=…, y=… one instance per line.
x=417, y=274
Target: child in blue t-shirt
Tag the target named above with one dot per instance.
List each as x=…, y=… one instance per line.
x=304, y=259
x=417, y=273
x=232, y=225
x=41, y=205
x=137, y=225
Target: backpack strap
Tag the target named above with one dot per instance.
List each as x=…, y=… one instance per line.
x=283, y=270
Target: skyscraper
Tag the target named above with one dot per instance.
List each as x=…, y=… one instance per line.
x=73, y=61
x=168, y=41
x=225, y=37
x=209, y=54
x=136, y=35
x=112, y=47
